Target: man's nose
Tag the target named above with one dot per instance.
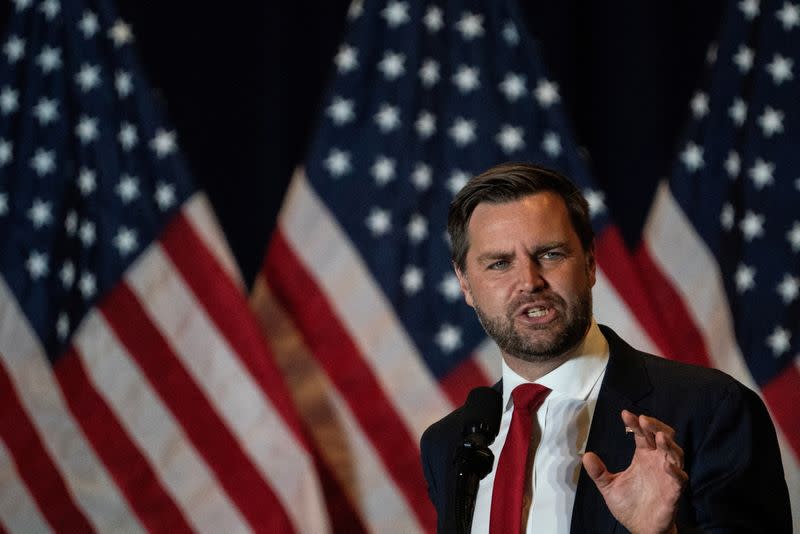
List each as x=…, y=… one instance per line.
x=530, y=277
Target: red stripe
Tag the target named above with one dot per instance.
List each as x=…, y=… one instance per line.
x=198, y=417
x=330, y=343
x=460, y=380
x=129, y=468
x=342, y=514
x=783, y=397
x=226, y=306
x=34, y=464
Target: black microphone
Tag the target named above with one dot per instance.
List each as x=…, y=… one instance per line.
x=474, y=460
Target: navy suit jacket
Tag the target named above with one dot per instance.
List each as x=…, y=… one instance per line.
x=736, y=481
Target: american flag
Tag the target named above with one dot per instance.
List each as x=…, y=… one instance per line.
x=357, y=292
x=137, y=392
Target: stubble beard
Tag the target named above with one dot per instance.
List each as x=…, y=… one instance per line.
x=532, y=343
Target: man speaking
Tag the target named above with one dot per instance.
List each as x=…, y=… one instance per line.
x=594, y=436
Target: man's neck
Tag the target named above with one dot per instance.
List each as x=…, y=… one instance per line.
x=532, y=371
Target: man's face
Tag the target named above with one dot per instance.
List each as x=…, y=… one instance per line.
x=528, y=277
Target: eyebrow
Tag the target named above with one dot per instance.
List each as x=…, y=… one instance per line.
x=504, y=255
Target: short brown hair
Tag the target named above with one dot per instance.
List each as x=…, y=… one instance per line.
x=508, y=182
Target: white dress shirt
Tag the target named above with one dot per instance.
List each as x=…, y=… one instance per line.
x=563, y=420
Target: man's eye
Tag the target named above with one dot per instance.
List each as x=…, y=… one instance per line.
x=498, y=265
x=552, y=255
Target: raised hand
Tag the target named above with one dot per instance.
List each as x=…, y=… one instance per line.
x=644, y=496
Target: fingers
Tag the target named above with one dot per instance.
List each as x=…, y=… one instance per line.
x=596, y=470
x=673, y=453
x=645, y=428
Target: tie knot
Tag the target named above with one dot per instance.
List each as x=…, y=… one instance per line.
x=529, y=396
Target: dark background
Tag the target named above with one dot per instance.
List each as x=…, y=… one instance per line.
x=242, y=83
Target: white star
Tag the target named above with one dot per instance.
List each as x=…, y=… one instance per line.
x=86, y=233
x=433, y=19
x=379, y=221
x=780, y=69
x=596, y=200
x=14, y=48
x=355, y=10
x=395, y=13
x=429, y=73
x=86, y=129
x=120, y=33
x=163, y=143
x=692, y=157
x=87, y=181
x=546, y=93
x=341, y=110
x=164, y=195
x=9, y=100
x=744, y=59
x=733, y=164
x=337, y=163
x=49, y=59
x=22, y=5
x=458, y=179
x=71, y=223
x=87, y=285
x=470, y=25
x=125, y=241
x=779, y=341
x=510, y=34
x=43, y=161
x=37, y=264
x=127, y=188
x=346, y=59
x=749, y=8
x=62, y=326
x=551, y=144
x=383, y=170
x=793, y=236
x=88, y=77
x=50, y=8
x=422, y=177
x=412, y=280
x=738, y=111
x=761, y=173
x=510, y=138
x=46, y=110
x=417, y=228
x=39, y=213
x=6, y=152
x=127, y=136
x=462, y=131
x=387, y=118
x=67, y=274
x=123, y=83
x=789, y=15
x=752, y=225
x=466, y=78
x=513, y=86
x=699, y=105
x=744, y=278
x=727, y=216
x=425, y=124
x=450, y=288
x=392, y=65
x=448, y=338
x=789, y=288
x=88, y=24
x=771, y=122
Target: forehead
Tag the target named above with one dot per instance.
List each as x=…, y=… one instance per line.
x=536, y=217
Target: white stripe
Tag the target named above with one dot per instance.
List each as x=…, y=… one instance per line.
x=18, y=510
x=92, y=487
x=153, y=429
x=219, y=372
x=201, y=217
x=692, y=270
x=327, y=253
x=611, y=310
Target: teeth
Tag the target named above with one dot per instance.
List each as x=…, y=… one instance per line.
x=537, y=312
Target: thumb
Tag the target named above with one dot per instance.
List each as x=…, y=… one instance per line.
x=596, y=470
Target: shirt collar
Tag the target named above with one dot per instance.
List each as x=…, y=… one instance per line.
x=574, y=378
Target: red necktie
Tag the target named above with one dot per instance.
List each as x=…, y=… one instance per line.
x=509, y=481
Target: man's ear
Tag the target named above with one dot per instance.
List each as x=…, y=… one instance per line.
x=591, y=265
x=464, y=283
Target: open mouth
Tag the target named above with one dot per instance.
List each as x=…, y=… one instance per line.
x=537, y=311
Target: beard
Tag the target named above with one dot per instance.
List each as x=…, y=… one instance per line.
x=539, y=343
